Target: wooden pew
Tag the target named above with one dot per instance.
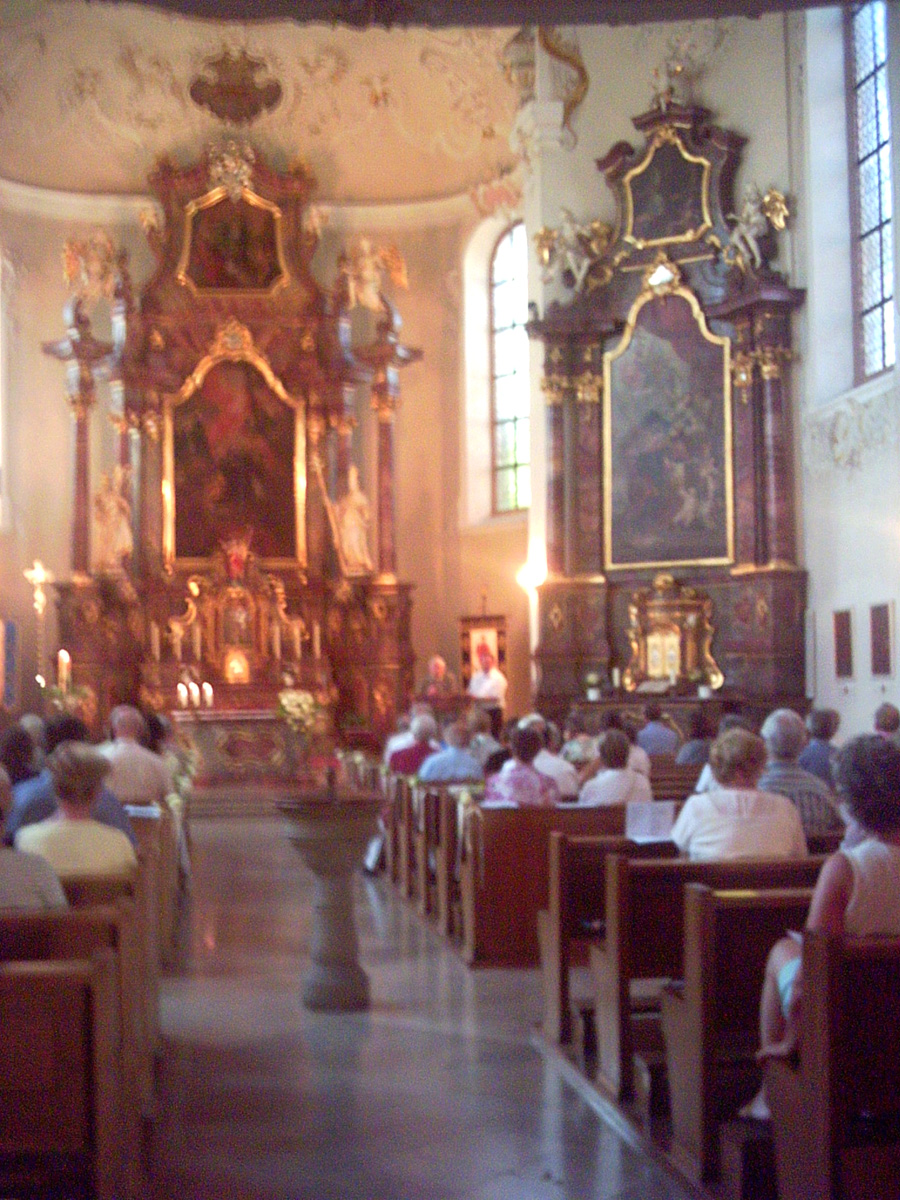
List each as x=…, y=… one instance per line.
x=836, y=1112
x=59, y=1085
x=78, y=934
x=88, y=890
x=710, y=1019
x=576, y=899
x=504, y=875
x=436, y=846
x=670, y=780
x=644, y=941
x=404, y=819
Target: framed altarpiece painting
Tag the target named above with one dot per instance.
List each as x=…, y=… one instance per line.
x=669, y=435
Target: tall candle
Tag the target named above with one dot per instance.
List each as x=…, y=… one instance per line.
x=295, y=633
x=276, y=641
x=176, y=643
x=616, y=677
x=197, y=639
x=154, y=641
x=317, y=640
x=63, y=670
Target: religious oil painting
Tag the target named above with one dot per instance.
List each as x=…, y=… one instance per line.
x=668, y=479
x=667, y=197
x=476, y=634
x=233, y=448
x=232, y=245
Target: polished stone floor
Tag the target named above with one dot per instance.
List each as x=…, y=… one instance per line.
x=440, y=1092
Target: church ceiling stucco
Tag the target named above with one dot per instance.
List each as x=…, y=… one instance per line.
x=91, y=95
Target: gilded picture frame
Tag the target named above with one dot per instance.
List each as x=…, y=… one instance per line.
x=668, y=477
x=232, y=245
x=666, y=195
x=475, y=632
x=234, y=441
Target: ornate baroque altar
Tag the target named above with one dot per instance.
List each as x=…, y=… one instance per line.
x=236, y=392
x=671, y=542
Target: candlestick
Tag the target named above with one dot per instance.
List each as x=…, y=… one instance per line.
x=276, y=641
x=317, y=640
x=197, y=640
x=182, y=695
x=154, y=641
x=207, y=695
x=63, y=670
x=194, y=693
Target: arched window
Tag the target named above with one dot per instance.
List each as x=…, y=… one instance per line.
x=870, y=162
x=510, y=391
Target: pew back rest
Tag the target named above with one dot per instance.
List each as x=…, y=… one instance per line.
x=645, y=903
x=504, y=874
x=727, y=939
x=72, y=933
x=55, y=1053
x=670, y=780
x=851, y=1025
x=577, y=875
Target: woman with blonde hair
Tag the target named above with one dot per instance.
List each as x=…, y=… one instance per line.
x=736, y=820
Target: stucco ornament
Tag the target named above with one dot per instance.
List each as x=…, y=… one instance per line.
x=845, y=435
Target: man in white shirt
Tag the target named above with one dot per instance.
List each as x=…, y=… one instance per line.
x=137, y=775
x=488, y=685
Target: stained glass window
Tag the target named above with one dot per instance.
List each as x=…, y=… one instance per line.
x=873, y=201
x=510, y=391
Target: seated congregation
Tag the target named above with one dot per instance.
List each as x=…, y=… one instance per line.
x=674, y=888
x=93, y=864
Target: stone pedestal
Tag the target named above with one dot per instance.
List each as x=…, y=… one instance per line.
x=331, y=830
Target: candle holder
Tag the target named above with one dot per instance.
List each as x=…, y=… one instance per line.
x=38, y=577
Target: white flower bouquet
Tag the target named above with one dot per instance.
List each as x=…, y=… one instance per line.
x=300, y=709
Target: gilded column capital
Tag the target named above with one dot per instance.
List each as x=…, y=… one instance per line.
x=555, y=387
x=588, y=387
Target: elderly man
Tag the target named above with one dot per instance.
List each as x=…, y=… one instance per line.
x=784, y=734
x=454, y=764
x=137, y=775
x=439, y=684
x=407, y=760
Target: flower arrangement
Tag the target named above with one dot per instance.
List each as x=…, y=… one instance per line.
x=300, y=709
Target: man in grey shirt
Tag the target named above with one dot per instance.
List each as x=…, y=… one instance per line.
x=785, y=736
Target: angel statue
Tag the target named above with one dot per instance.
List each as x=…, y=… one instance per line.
x=363, y=268
x=112, y=518
x=750, y=225
x=572, y=248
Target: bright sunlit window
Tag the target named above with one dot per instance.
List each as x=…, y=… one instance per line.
x=872, y=200
x=510, y=392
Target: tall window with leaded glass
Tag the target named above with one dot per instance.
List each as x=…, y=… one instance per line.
x=510, y=391
x=870, y=128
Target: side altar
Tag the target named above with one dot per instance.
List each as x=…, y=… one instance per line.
x=671, y=528
x=231, y=549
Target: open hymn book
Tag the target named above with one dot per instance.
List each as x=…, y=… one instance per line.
x=650, y=820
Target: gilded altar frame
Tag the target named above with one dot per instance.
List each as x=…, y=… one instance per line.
x=709, y=393
x=233, y=343
x=240, y=260
x=686, y=175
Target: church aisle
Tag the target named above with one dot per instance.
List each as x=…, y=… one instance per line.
x=436, y=1094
